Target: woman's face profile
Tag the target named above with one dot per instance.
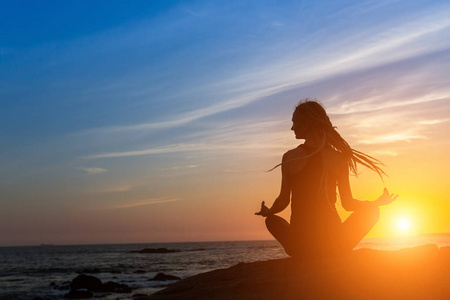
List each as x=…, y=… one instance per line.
x=299, y=127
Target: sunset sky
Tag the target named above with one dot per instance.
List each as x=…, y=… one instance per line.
x=155, y=121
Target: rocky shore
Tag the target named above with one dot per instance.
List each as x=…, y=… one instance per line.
x=86, y=287
x=414, y=273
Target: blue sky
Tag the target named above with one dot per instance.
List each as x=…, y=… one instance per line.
x=114, y=105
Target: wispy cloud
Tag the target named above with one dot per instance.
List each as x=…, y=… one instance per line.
x=239, y=136
x=386, y=153
x=391, y=138
x=113, y=189
x=179, y=168
x=379, y=102
x=185, y=147
x=387, y=43
x=92, y=170
x=193, y=115
x=136, y=204
x=433, y=122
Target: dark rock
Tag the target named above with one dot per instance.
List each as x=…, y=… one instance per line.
x=79, y=294
x=139, y=272
x=164, y=277
x=104, y=295
x=94, y=284
x=114, y=287
x=88, y=282
x=156, y=250
x=415, y=273
x=60, y=287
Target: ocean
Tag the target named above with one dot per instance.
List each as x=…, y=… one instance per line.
x=35, y=271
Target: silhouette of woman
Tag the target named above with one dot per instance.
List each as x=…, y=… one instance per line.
x=310, y=174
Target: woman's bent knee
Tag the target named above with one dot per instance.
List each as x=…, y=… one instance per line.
x=275, y=224
x=375, y=213
x=371, y=212
x=271, y=219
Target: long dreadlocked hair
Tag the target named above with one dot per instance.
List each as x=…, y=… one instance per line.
x=318, y=123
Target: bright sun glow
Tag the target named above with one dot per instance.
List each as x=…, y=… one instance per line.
x=404, y=225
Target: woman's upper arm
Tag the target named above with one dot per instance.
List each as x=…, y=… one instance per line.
x=285, y=191
x=345, y=191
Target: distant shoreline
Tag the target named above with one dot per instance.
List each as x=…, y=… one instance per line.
x=441, y=234
x=136, y=243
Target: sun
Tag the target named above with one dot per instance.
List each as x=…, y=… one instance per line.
x=403, y=225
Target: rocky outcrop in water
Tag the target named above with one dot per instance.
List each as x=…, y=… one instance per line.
x=88, y=282
x=83, y=287
x=164, y=277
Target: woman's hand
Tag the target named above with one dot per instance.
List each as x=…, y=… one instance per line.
x=264, y=210
x=385, y=199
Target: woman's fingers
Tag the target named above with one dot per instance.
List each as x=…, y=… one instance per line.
x=389, y=197
x=260, y=212
x=263, y=211
x=386, y=198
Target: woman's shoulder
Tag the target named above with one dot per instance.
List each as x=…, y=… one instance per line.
x=295, y=153
x=294, y=160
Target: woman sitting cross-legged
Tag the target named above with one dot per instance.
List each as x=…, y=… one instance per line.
x=310, y=174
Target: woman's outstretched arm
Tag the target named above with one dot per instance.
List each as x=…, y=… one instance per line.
x=351, y=204
x=283, y=199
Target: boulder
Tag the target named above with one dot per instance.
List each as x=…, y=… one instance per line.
x=164, y=277
x=61, y=287
x=93, y=284
x=88, y=282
